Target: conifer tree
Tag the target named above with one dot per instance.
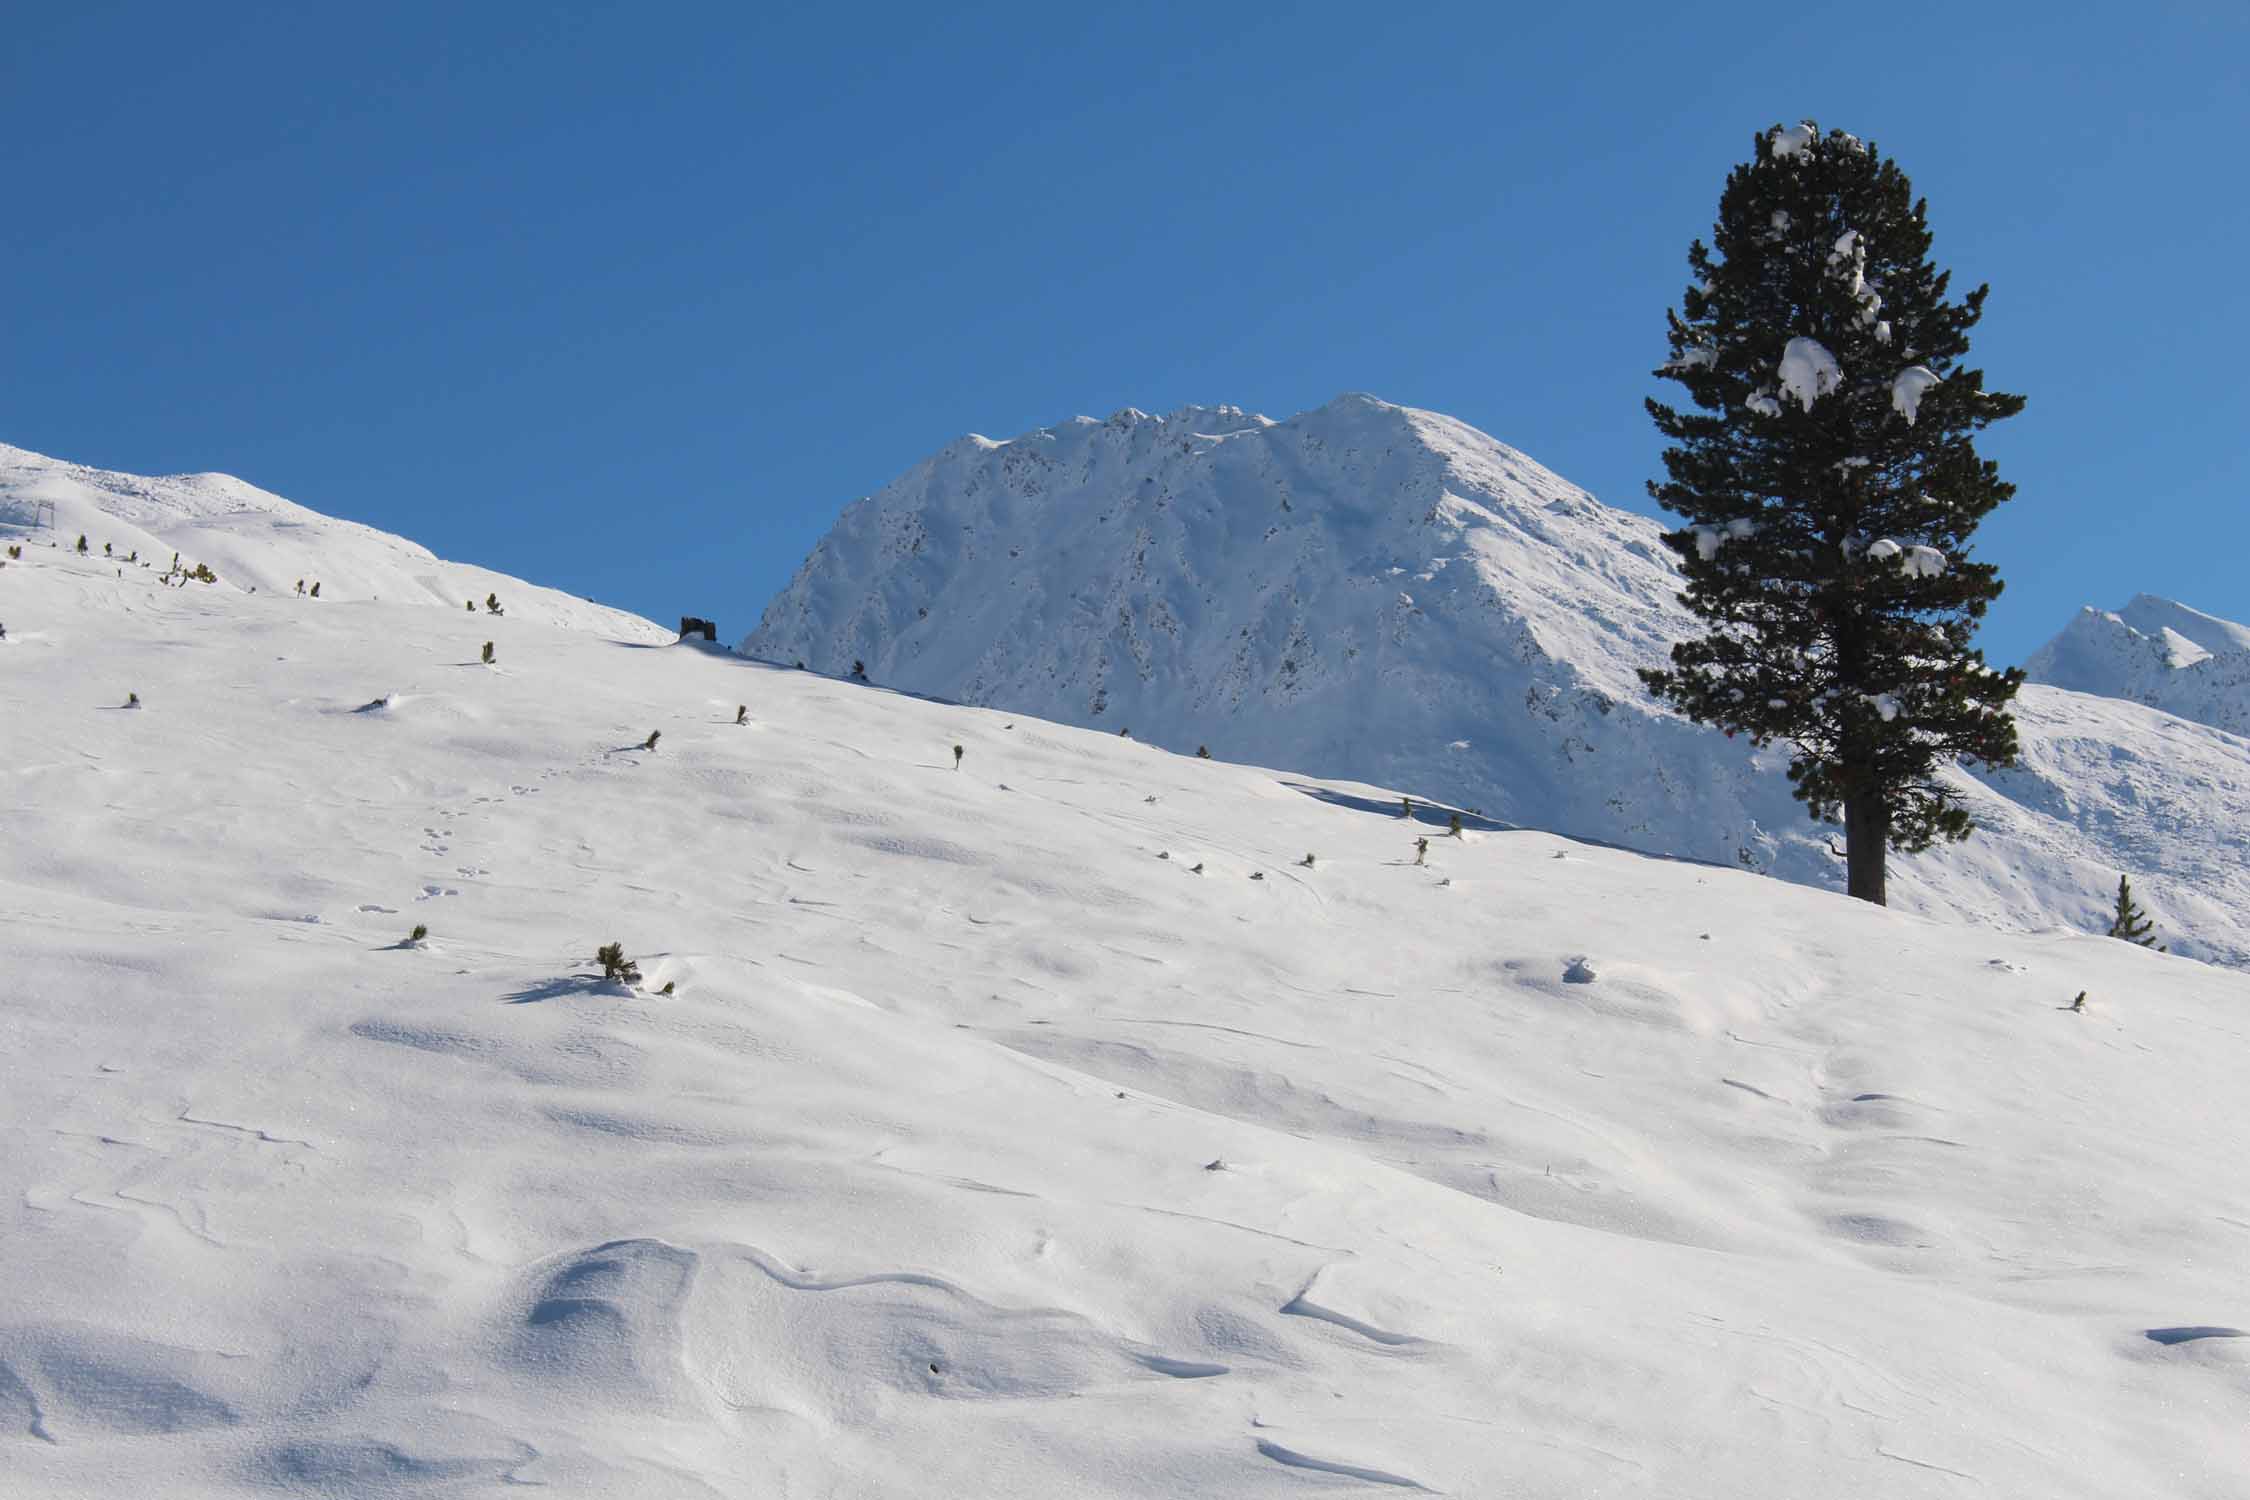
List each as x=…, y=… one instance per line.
x=488, y=653
x=2131, y=921
x=1829, y=483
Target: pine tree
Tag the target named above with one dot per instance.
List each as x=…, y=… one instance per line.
x=1830, y=485
x=958, y=752
x=488, y=653
x=2131, y=921
x=653, y=736
x=616, y=967
x=742, y=713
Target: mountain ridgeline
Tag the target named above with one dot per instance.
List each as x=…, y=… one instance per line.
x=1385, y=594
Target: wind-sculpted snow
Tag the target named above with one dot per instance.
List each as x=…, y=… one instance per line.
x=957, y=1142
x=1374, y=592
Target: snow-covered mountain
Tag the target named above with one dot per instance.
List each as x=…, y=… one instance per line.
x=258, y=542
x=1045, y=1129
x=1372, y=591
x=2156, y=652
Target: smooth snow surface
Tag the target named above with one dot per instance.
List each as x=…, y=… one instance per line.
x=1362, y=588
x=980, y=1151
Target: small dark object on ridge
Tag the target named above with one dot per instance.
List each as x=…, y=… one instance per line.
x=650, y=742
x=696, y=625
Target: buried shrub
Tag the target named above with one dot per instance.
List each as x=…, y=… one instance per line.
x=488, y=653
x=616, y=967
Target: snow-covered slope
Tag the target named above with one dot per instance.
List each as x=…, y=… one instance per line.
x=1372, y=591
x=984, y=1150
x=259, y=542
x=2156, y=652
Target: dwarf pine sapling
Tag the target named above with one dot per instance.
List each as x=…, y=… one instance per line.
x=2130, y=921
x=488, y=653
x=742, y=713
x=1306, y=862
x=316, y=591
x=859, y=669
x=468, y=604
x=958, y=752
x=421, y=931
x=1203, y=752
x=1421, y=851
x=1453, y=825
x=616, y=967
x=132, y=700
x=1406, y=807
x=106, y=552
x=650, y=742
x=1829, y=487
x=492, y=605
x=669, y=985
x=82, y=544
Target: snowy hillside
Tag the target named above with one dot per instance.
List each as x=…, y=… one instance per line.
x=2156, y=652
x=255, y=541
x=1372, y=591
x=1041, y=1128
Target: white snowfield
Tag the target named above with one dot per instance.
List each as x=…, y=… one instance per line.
x=1371, y=591
x=258, y=542
x=1043, y=1128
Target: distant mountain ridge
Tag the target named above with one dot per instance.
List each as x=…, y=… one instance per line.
x=256, y=541
x=2156, y=652
x=1375, y=592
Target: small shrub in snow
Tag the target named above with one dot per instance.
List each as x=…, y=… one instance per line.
x=742, y=713
x=653, y=736
x=1203, y=752
x=1406, y=807
x=859, y=669
x=2079, y=1004
x=958, y=752
x=468, y=604
x=488, y=653
x=1421, y=851
x=203, y=574
x=1306, y=862
x=81, y=544
x=132, y=700
x=492, y=605
x=315, y=591
x=16, y=553
x=420, y=932
x=616, y=967
x=669, y=985
x=106, y=552
x=2131, y=921
x=1453, y=825
x=1196, y=868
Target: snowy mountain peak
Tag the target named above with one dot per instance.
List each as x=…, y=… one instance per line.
x=1373, y=591
x=2157, y=652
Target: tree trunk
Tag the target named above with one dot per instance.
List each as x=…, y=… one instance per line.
x=1867, y=830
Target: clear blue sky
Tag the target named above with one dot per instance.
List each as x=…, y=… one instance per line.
x=632, y=299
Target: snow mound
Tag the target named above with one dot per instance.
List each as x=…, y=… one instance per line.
x=1808, y=371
